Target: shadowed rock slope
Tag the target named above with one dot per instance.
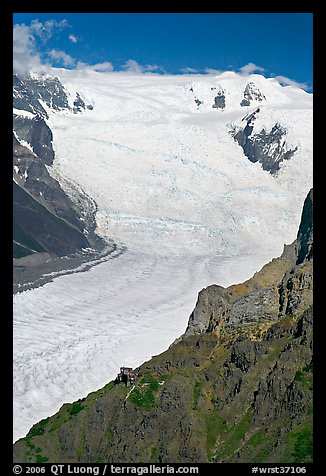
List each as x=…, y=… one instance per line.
x=236, y=387
x=46, y=220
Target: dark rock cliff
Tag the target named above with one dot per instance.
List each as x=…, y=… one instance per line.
x=42, y=193
x=305, y=234
x=38, y=134
x=52, y=234
x=237, y=387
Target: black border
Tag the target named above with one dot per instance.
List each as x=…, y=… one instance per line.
x=236, y=6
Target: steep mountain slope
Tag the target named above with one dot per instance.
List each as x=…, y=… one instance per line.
x=237, y=387
x=41, y=226
x=38, y=198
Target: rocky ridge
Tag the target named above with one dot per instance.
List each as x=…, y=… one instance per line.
x=47, y=223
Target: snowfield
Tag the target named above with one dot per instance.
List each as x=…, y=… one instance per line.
x=173, y=187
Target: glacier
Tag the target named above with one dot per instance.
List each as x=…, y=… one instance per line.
x=177, y=194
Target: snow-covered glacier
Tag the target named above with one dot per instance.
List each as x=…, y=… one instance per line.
x=176, y=191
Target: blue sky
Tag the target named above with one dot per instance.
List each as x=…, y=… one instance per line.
x=272, y=44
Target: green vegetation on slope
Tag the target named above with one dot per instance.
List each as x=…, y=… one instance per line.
x=143, y=395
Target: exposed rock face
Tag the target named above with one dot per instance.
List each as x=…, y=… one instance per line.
x=51, y=233
x=237, y=387
x=219, y=100
x=305, y=235
x=215, y=98
x=283, y=286
x=37, y=133
x=40, y=193
x=79, y=105
x=267, y=147
x=211, y=301
x=67, y=227
x=28, y=92
x=251, y=93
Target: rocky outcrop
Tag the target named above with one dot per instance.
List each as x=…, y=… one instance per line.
x=211, y=302
x=251, y=94
x=214, y=97
x=37, y=134
x=219, y=100
x=237, y=387
x=284, y=286
x=79, y=105
x=266, y=147
x=29, y=94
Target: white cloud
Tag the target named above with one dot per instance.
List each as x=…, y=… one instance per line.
x=212, y=71
x=251, y=68
x=105, y=66
x=25, y=56
x=131, y=66
x=291, y=82
x=188, y=69
x=73, y=38
x=81, y=65
x=45, y=30
x=152, y=67
x=59, y=55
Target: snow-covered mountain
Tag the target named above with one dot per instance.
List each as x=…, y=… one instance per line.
x=161, y=155
x=166, y=170
x=201, y=178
